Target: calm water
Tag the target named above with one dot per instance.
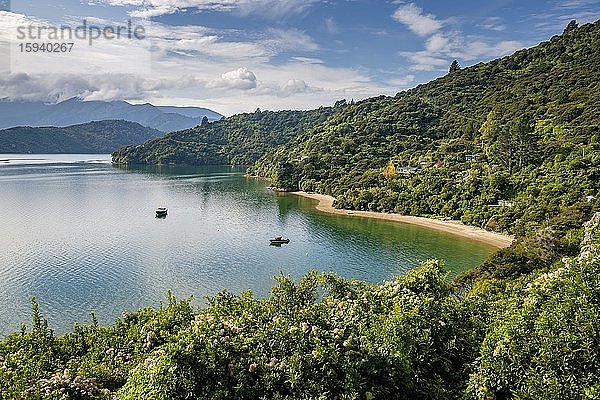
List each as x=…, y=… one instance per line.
x=81, y=235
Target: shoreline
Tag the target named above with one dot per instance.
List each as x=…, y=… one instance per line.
x=494, y=239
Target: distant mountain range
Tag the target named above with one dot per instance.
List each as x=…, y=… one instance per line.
x=97, y=137
x=75, y=111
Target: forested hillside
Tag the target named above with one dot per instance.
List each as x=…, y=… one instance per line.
x=97, y=137
x=237, y=140
x=503, y=145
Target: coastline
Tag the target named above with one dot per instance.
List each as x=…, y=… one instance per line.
x=494, y=239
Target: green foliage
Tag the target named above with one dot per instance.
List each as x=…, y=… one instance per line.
x=325, y=337
x=237, y=140
x=89, y=363
x=539, y=248
x=455, y=66
x=97, y=137
x=544, y=338
x=503, y=145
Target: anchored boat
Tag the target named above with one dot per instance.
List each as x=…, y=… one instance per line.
x=279, y=240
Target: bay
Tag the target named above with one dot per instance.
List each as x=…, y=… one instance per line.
x=80, y=234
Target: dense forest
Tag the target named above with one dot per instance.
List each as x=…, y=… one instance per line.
x=96, y=137
x=237, y=140
x=502, y=145
x=508, y=145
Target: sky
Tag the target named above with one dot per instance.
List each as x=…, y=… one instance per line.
x=236, y=56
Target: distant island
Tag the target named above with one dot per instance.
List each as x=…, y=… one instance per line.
x=97, y=137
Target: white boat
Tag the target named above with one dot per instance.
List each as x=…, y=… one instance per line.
x=279, y=240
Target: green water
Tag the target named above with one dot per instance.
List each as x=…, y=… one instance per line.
x=81, y=235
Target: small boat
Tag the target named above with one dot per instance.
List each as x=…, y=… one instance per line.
x=279, y=240
x=161, y=211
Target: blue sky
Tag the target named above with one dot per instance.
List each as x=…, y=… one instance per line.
x=237, y=55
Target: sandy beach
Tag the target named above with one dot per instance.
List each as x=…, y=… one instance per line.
x=454, y=227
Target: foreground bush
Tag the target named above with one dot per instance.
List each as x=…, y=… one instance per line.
x=544, y=342
x=323, y=338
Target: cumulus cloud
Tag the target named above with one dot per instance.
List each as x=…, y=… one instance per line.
x=192, y=65
x=413, y=17
x=241, y=78
x=293, y=86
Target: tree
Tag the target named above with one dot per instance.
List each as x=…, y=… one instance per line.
x=389, y=171
x=204, y=121
x=340, y=103
x=455, y=66
x=571, y=27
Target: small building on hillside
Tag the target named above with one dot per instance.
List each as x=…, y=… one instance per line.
x=407, y=170
x=503, y=203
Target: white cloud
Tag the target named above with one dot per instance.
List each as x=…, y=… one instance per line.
x=443, y=45
x=273, y=9
x=291, y=39
x=493, y=24
x=241, y=78
x=202, y=42
x=192, y=65
x=294, y=86
x=437, y=43
x=86, y=56
x=59, y=87
x=412, y=16
x=402, y=82
x=307, y=60
x=574, y=4
x=478, y=49
x=426, y=61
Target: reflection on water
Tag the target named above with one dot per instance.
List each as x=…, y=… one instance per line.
x=81, y=235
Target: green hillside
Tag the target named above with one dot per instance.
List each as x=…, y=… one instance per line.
x=96, y=137
x=237, y=140
x=502, y=145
